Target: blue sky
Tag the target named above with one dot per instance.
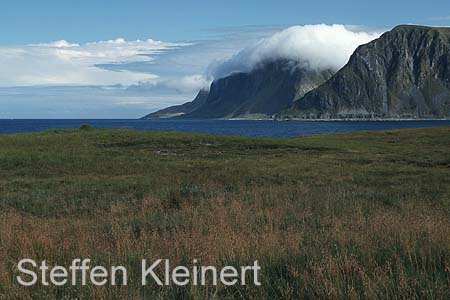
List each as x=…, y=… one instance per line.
x=89, y=20
x=122, y=59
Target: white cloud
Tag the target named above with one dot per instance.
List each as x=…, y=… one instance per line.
x=315, y=46
x=61, y=44
x=65, y=79
x=64, y=63
x=190, y=84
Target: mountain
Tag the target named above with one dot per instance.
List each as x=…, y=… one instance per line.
x=178, y=110
x=403, y=74
x=260, y=93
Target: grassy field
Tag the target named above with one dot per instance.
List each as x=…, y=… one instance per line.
x=345, y=216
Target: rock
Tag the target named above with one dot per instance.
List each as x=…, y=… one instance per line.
x=404, y=74
x=259, y=94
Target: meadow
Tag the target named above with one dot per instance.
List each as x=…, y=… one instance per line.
x=347, y=216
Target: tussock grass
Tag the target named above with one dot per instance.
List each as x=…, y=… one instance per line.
x=348, y=216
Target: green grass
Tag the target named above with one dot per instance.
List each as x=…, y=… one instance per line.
x=347, y=216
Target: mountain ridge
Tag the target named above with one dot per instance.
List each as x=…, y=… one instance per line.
x=261, y=93
x=405, y=74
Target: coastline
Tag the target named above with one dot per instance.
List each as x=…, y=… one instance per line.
x=367, y=120
x=262, y=128
x=335, y=120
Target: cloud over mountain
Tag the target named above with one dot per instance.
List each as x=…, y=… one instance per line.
x=148, y=74
x=181, y=85
x=315, y=46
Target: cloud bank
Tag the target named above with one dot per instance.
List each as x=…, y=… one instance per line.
x=314, y=46
x=64, y=63
x=127, y=79
x=190, y=84
x=114, y=78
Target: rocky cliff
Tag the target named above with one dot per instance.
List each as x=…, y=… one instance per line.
x=403, y=74
x=261, y=93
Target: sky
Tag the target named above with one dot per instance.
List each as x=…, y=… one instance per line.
x=124, y=59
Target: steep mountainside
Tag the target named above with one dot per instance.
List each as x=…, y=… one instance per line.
x=262, y=92
x=403, y=74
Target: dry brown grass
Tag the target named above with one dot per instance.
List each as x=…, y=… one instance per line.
x=343, y=259
x=336, y=232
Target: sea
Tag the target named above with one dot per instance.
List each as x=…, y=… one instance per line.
x=246, y=128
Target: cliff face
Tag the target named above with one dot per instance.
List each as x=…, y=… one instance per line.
x=403, y=74
x=262, y=92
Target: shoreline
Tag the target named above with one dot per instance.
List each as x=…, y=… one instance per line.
x=334, y=120
x=365, y=120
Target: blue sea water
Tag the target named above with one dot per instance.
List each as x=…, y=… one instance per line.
x=252, y=128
